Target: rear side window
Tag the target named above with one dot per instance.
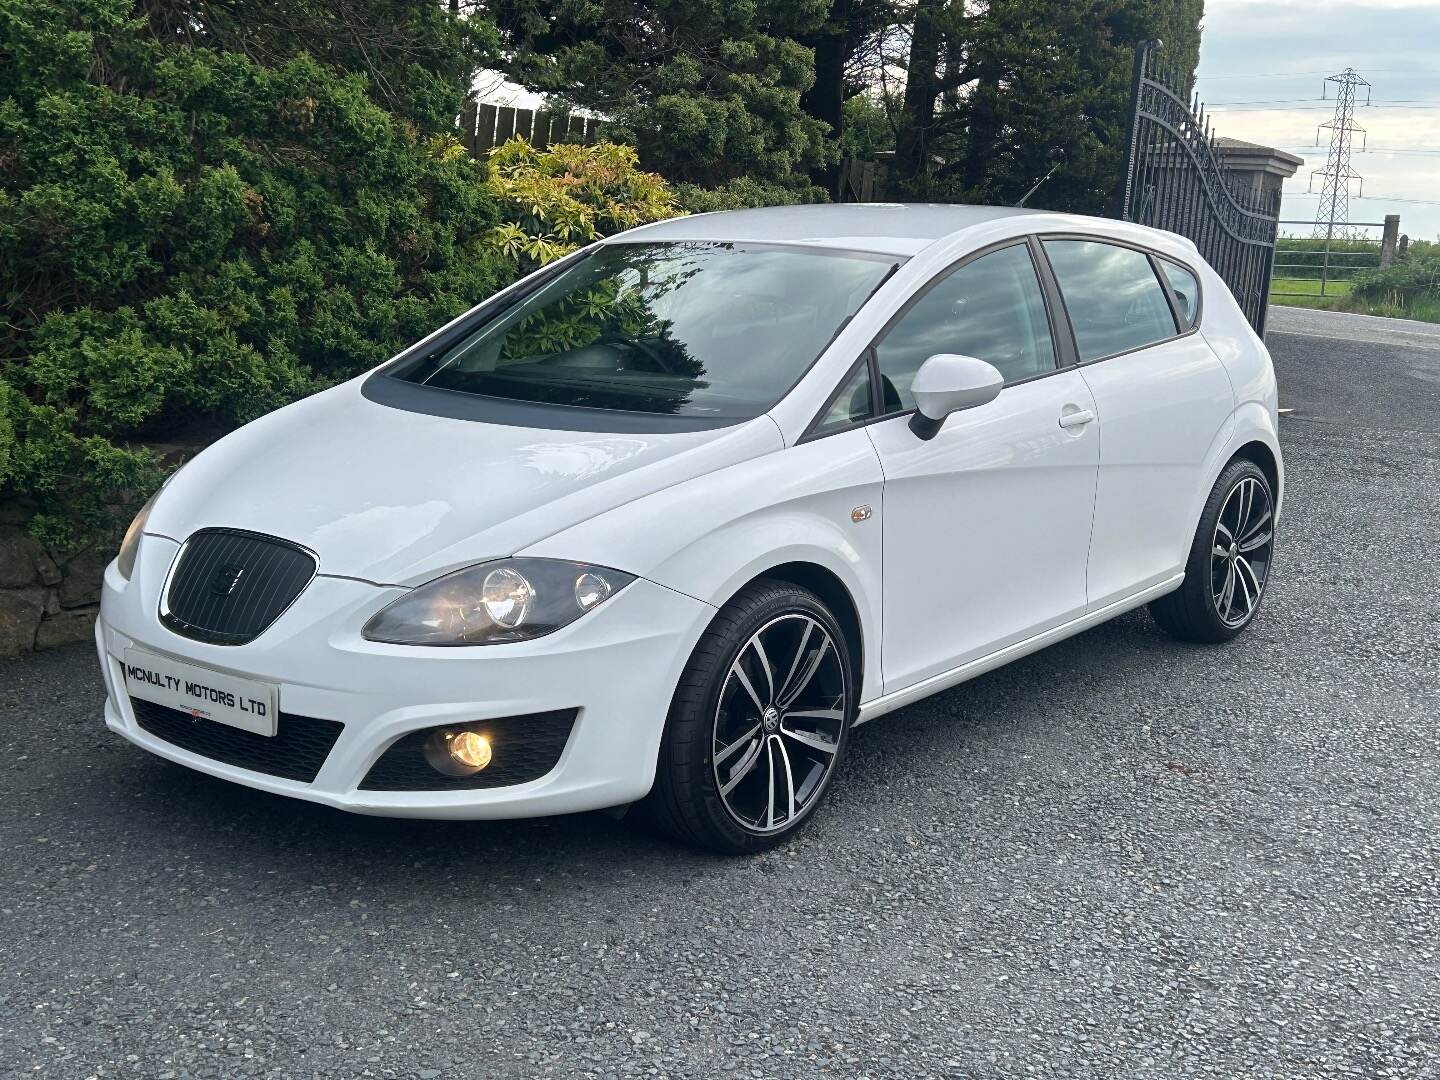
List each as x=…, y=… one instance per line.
x=991, y=308
x=1186, y=290
x=1114, y=299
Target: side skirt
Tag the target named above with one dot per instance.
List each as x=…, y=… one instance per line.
x=955, y=676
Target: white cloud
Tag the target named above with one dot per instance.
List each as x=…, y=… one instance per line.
x=1334, y=5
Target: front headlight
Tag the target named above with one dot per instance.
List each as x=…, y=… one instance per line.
x=495, y=602
x=130, y=546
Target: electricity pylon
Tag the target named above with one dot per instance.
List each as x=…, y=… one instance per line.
x=1332, y=219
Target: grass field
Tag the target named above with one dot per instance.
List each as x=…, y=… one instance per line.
x=1337, y=298
x=1307, y=286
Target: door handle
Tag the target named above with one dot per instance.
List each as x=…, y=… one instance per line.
x=1077, y=418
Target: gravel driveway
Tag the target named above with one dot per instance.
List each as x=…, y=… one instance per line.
x=1121, y=857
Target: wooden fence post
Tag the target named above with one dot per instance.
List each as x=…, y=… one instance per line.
x=485, y=130
x=469, y=113
x=524, y=122
x=504, y=125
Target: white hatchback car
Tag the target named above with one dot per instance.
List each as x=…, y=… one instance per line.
x=667, y=518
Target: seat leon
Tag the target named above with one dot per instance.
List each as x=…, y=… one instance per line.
x=662, y=522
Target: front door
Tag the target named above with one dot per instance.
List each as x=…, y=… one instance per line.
x=986, y=526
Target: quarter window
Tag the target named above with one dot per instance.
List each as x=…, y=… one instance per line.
x=850, y=405
x=1114, y=299
x=991, y=308
x=1186, y=290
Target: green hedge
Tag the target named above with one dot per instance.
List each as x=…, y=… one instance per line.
x=191, y=236
x=1299, y=257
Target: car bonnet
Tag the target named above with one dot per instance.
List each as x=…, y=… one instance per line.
x=397, y=497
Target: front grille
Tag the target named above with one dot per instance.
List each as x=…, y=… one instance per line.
x=229, y=585
x=296, y=751
x=525, y=747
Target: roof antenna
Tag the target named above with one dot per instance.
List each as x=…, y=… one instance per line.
x=1057, y=155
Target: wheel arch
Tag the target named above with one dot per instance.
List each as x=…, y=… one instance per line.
x=1249, y=433
x=1265, y=459
x=830, y=588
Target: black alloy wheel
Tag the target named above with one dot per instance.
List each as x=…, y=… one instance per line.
x=759, y=722
x=1230, y=560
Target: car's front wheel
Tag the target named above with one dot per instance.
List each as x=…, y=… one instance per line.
x=1229, y=563
x=758, y=723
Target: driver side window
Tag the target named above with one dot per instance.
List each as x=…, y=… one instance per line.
x=992, y=309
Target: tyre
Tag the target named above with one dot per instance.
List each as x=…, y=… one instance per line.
x=1230, y=560
x=758, y=723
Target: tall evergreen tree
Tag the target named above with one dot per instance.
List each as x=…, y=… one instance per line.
x=993, y=89
x=848, y=27
x=708, y=90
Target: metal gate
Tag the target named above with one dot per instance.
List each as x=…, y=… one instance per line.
x=1174, y=180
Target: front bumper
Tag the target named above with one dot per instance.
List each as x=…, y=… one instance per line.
x=618, y=665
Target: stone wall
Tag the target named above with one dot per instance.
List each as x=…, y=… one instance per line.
x=45, y=601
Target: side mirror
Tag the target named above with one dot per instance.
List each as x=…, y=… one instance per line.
x=948, y=383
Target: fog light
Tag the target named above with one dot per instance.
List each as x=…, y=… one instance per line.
x=458, y=753
x=470, y=749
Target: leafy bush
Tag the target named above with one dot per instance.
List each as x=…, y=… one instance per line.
x=554, y=201
x=1404, y=282
x=742, y=194
x=869, y=125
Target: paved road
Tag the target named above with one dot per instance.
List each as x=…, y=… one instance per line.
x=1379, y=374
x=1118, y=858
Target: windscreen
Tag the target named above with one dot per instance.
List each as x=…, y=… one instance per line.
x=689, y=329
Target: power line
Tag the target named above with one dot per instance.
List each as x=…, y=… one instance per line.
x=1262, y=101
x=1366, y=198
x=1261, y=75
x=1246, y=106
x=1364, y=149
x=1289, y=108
x=1295, y=74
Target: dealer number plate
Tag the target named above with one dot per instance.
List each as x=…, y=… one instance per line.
x=201, y=692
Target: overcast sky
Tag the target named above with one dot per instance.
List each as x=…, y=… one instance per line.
x=1277, y=54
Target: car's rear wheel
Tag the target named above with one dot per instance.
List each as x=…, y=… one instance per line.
x=1230, y=560
x=758, y=723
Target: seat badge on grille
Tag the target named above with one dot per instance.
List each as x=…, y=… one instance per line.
x=226, y=578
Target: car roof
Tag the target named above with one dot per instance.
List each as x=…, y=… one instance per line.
x=888, y=228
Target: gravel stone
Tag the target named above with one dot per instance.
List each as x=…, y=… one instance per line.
x=1122, y=857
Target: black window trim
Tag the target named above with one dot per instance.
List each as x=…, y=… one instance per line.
x=1194, y=324
x=383, y=387
x=1154, y=258
x=866, y=360
x=1061, y=337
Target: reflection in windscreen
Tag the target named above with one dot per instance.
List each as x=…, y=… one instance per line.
x=698, y=329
